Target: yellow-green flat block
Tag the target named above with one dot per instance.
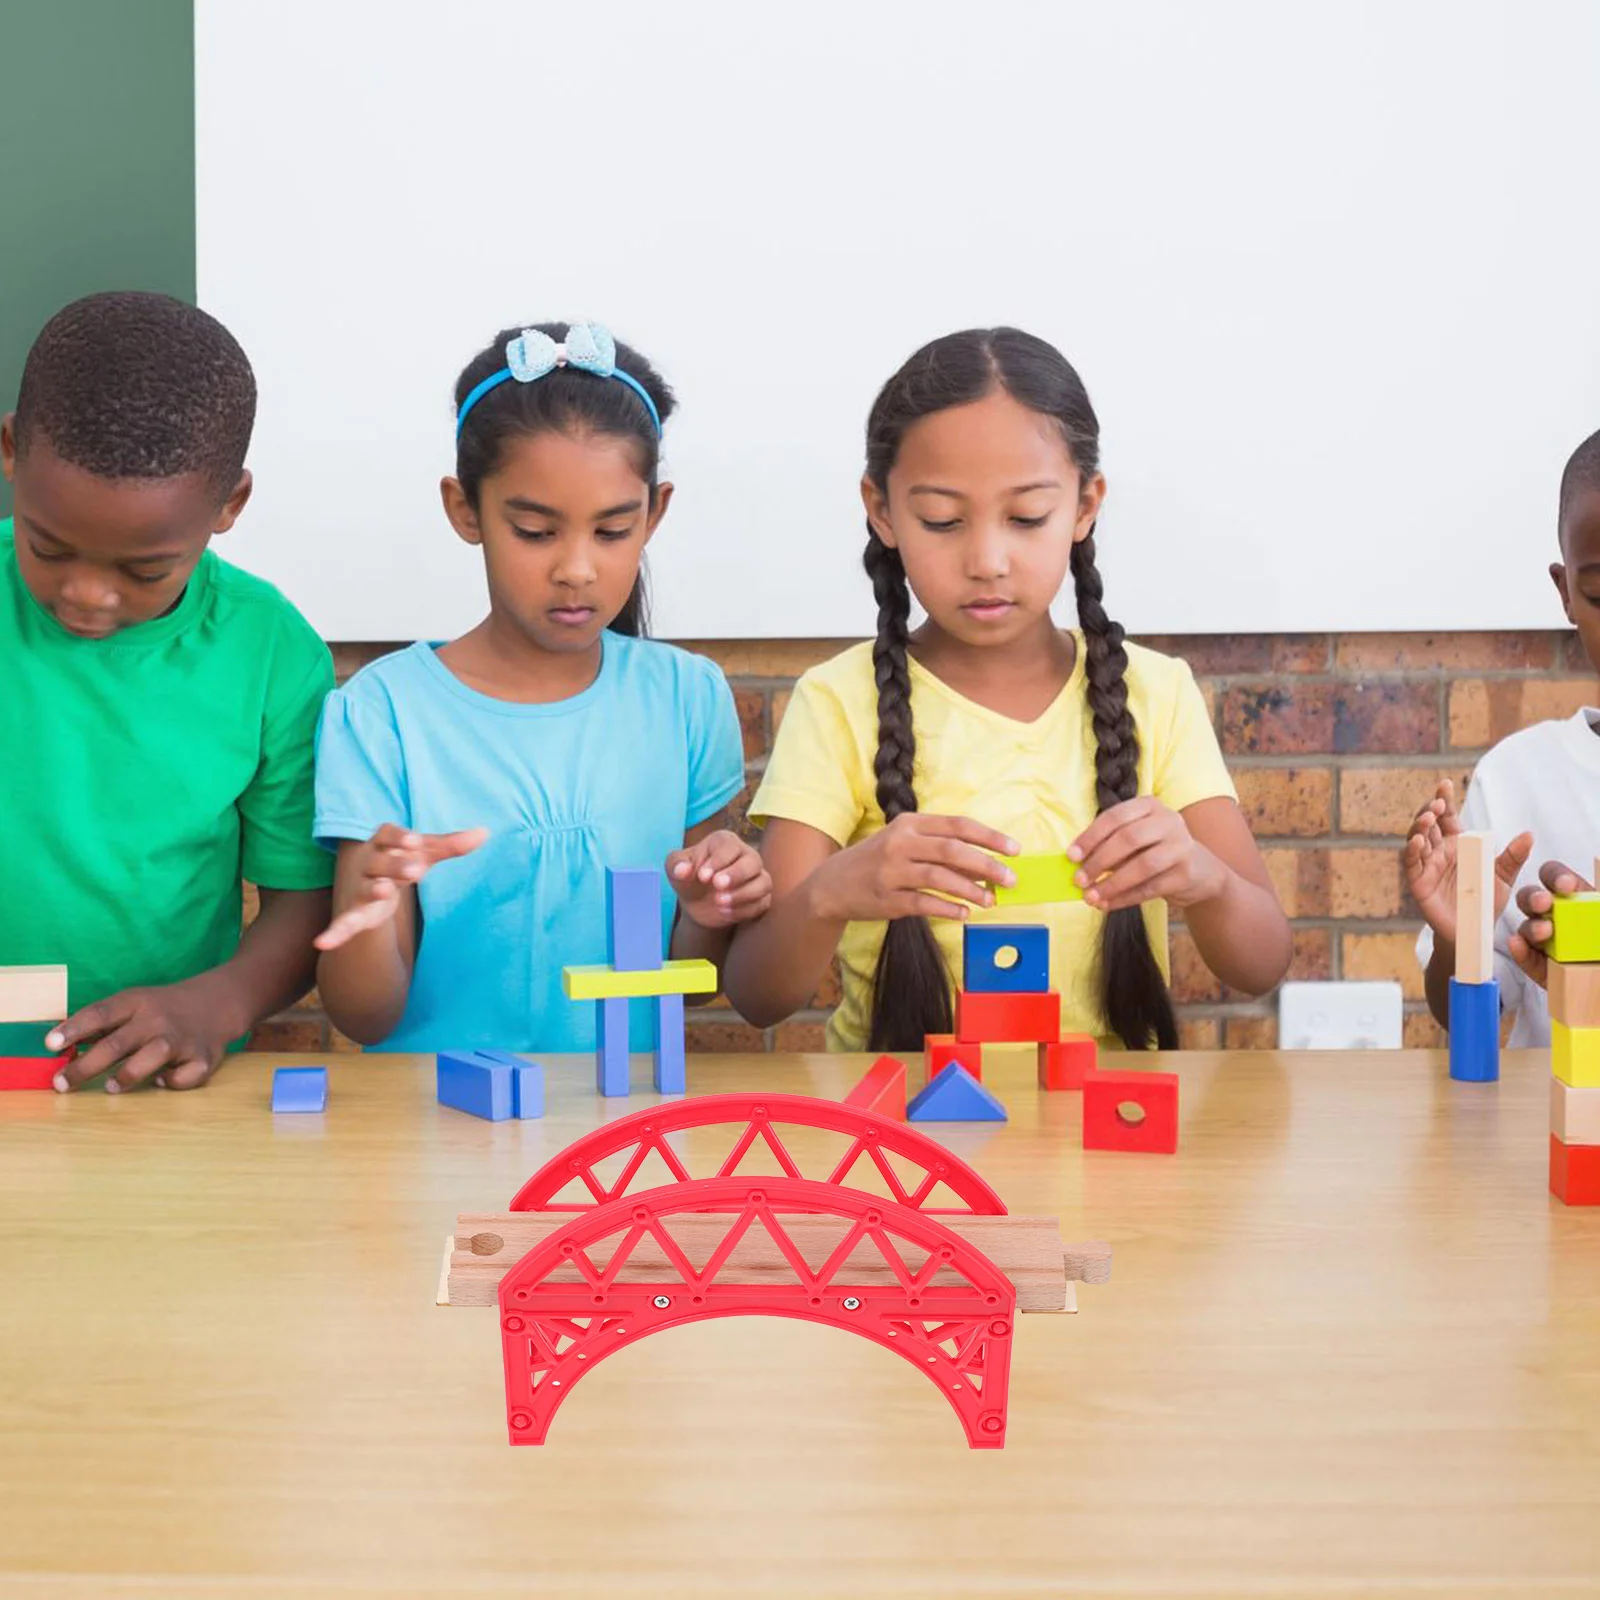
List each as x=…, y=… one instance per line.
x=1042, y=880
x=672, y=977
x=1577, y=923
x=1575, y=1055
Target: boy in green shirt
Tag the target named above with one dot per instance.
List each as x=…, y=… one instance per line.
x=157, y=706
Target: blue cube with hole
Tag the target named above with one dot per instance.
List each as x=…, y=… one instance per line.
x=1002, y=958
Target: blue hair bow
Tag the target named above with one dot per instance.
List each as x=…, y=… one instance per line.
x=533, y=355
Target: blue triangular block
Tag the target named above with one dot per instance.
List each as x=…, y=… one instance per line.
x=955, y=1096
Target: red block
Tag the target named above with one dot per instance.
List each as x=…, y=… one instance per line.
x=882, y=1090
x=1575, y=1173
x=940, y=1049
x=1008, y=1018
x=1064, y=1065
x=28, y=1072
x=1104, y=1126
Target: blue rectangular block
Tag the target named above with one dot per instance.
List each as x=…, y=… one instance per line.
x=527, y=1082
x=611, y=1047
x=1474, y=1031
x=299, y=1089
x=464, y=1081
x=982, y=945
x=670, y=1076
x=633, y=918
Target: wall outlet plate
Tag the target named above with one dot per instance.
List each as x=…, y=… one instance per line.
x=1339, y=1016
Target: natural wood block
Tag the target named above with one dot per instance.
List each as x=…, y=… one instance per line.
x=1574, y=991
x=1474, y=907
x=1574, y=1113
x=1577, y=923
x=1575, y=1055
x=27, y=993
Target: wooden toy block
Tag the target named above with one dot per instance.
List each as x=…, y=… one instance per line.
x=1574, y=991
x=611, y=1048
x=28, y=1072
x=1474, y=907
x=527, y=1082
x=1005, y=959
x=29, y=992
x=25, y=1038
x=1574, y=1113
x=669, y=1071
x=633, y=919
x=1575, y=1055
x=1577, y=928
x=940, y=1049
x=1575, y=1173
x=1042, y=880
x=465, y=1081
x=672, y=977
x=1106, y=1097
x=882, y=1090
x=1065, y=1063
x=1474, y=1031
x=955, y=1096
x=299, y=1089
x=1008, y=1018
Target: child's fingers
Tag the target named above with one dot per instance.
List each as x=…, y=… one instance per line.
x=1513, y=858
x=362, y=918
x=915, y=903
x=745, y=868
x=946, y=882
x=716, y=853
x=436, y=847
x=100, y=1057
x=759, y=888
x=1110, y=821
x=1530, y=959
x=680, y=864
x=968, y=860
x=968, y=832
x=1130, y=883
x=144, y=1061
x=1139, y=834
x=1158, y=887
x=191, y=1074
x=90, y=1022
x=1559, y=878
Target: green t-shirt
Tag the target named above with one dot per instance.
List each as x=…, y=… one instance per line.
x=143, y=776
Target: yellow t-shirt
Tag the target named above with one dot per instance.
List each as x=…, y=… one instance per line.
x=1031, y=780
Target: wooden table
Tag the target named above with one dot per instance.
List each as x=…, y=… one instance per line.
x=1349, y=1345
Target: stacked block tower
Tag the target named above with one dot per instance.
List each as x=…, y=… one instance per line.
x=636, y=970
x=1574, y=989
x=33, y=1000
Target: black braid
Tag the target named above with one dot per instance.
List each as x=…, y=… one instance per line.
x=1133, y=994
x=910, y=989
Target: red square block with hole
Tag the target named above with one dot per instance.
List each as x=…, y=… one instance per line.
x=1575, y=1173
x=882, y=1090
x=940, y=1049
x=1152, y=1131
x=1064, y=1065
x=1008, y=1018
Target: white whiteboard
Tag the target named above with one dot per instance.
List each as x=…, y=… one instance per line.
x=1328, y=271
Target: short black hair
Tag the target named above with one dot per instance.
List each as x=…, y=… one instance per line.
x=1581, y=472
x=138, y=385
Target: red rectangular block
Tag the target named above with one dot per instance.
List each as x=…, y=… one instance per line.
x=882, y=1090
x=1575, y=1173
x=1066, y=1063
x=28, y=1072
x=940, y=1049
x=1008, y=1018
x=1154, y=1094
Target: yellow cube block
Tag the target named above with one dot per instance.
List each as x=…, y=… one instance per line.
x=1577, y=924
x=672, y=977
x=1575, y=1055
x=1042, y=880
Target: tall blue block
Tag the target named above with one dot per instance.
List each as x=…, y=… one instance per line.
x=1474, y=1031
x=611, y=1047
x=633, y=918
x=982, y=942
x=670, y=1075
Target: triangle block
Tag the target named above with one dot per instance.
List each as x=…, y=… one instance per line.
x=882, y=1090
x=955, y=1096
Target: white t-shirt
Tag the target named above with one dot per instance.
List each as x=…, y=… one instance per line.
x=1545, y=781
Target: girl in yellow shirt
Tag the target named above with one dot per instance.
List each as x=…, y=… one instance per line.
x=904, y=767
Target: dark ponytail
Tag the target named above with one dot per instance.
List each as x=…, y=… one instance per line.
x=911, y=994
x=563, y=401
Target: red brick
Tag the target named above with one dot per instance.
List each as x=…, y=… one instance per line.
x=1446, y=652
x=292, y=1035
x=721, y=1034
x=829, y=990
x=1199, y=1033
x=1386, y=718
x=1484, y=710
x=1365, y=882
x=1251, y=1030
x=752, y=708
x=1286, y=802
x=349, y=659
x=1301, y=652
x=766, y=658
x=1300, y=878
x=803, y=1037
x=1418, y=1031
x=1383, y=955
x=780, y=704
x=1216, y=654
x=338, y=1042
x=1296, y=718
x=1383, y=800
x=1311, y=956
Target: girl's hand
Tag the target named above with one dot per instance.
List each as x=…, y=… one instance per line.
x=1534, y=902
x=392, y=857
x=1142, y=850
x=720, y=880
x=908, y=868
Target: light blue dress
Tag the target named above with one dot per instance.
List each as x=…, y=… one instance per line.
x=613, y=777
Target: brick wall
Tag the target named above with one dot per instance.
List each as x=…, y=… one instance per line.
x=1333, y=740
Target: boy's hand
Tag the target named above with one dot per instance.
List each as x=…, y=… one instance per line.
x=1534, y=902
x=1142, y=850
x=392, y=857
x=1429, y=857
x=180, y=1031
x=720, y=880
x=909, y=868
